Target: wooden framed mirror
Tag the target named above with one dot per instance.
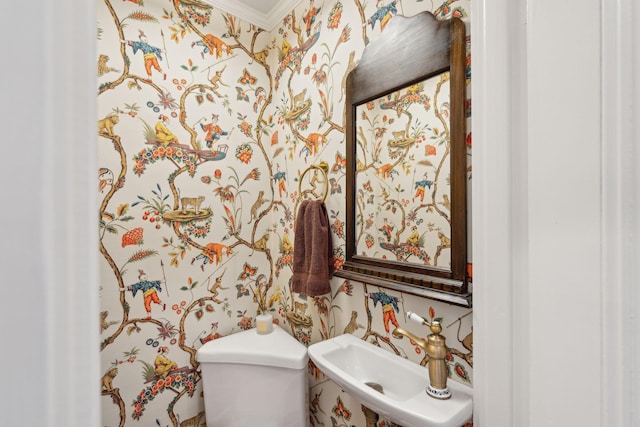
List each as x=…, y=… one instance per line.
x=406, y=161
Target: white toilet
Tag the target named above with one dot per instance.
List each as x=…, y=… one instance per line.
x=255, y=380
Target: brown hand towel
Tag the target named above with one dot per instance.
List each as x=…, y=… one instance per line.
x=312, y=250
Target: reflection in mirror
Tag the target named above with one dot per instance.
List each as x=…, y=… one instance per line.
x=406, y=161
x=402, y=180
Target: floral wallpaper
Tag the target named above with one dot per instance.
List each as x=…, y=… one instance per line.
x=402, y=162
x=206, y=124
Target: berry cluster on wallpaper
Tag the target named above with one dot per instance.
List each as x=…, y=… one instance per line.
x=206, y=124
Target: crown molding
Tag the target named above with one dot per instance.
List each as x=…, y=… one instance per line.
x=253, y=16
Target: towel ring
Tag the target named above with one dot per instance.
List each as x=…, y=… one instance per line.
x=323, y=167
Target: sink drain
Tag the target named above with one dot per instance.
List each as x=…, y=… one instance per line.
x=377, y=387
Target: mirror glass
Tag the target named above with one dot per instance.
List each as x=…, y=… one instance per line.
x=406, y=161
x=402, y=180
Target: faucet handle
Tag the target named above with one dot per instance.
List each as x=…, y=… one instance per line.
x=434, y=325
x=417, y=318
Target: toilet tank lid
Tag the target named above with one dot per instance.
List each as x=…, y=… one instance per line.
x=249, y=348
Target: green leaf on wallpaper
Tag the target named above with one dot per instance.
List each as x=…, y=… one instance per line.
x=459, y=12
x=122, y=209
x=148, y=372
x=148, y=132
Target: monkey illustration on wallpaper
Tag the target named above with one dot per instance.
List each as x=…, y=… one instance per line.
x=211, y=44
x=103, y=68
x=212, y=253
x=106, y=125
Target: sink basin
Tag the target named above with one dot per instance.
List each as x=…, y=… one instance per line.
x=356, y=365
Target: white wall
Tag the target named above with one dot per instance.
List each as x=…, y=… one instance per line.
x=555, y=213
x=48, y=270
x=555, y=248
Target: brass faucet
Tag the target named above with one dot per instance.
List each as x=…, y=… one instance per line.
x=436, y=348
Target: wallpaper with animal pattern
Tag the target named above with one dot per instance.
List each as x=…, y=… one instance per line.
x=206, y=124
x=402, y=164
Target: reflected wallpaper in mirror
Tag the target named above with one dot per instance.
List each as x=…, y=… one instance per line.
x=402, y=180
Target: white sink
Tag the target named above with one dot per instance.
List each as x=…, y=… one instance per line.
x=352, y=363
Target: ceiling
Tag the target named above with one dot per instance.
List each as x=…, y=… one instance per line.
x=265, y=14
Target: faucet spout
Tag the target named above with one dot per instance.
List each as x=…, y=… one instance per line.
x=399, y=333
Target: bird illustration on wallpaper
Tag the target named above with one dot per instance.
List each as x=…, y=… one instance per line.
x=105, y=179
x=280, y=178
x=310, y=18
x=291, y=56
x=383, y=14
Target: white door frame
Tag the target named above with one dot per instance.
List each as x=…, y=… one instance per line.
x=49, y=293
x=553, y=348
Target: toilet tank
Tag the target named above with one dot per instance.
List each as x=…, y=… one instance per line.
x=255, y=380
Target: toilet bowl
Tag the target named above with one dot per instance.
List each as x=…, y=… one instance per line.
x=255, y=380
